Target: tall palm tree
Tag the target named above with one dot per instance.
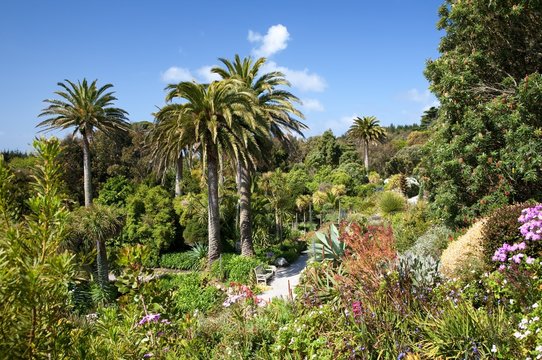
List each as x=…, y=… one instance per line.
x=367, y=129
x=274, y=107
x=169, y=139
x=211, y=110
x=85, y=107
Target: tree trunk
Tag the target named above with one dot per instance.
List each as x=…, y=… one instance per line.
x=277, y=224
x=101, y=263
x=245, y=220
x=366, y=148
x=87, y=175
x=213, y=209
x=179, y=175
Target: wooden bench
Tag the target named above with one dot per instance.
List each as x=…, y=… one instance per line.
x=264, y=274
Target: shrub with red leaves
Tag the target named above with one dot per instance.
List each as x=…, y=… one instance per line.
x=370, y=253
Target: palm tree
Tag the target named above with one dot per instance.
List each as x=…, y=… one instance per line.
x=169, y=139
x=85, y=107
x=275, y=108
x=367, y=129
x=211, y=111
x=96, y=224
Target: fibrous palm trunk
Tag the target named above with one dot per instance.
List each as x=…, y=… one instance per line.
x=87, y=175
x=179, y=175
x=101, y=263
x=245, y=220
x=366, y=153
x=213, y=210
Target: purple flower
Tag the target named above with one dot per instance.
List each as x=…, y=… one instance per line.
x=148, y=319
x=148, y=355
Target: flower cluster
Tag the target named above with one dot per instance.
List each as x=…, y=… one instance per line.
x=356, y=309
x=506, y=253
x=237, y=292
x=152, y=318
x=531, y=218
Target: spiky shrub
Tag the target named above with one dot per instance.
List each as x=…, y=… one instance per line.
x=464, y=332
x=501, y=227
x=180, y=261
x=34, y=272
x=391, y=202
x=328, y=246
x=433, y=242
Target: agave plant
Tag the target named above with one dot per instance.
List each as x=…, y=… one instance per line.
x=198, y=253
x=328, y=247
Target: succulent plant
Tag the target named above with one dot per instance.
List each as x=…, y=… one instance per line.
x=421, y=271
x=328, y=246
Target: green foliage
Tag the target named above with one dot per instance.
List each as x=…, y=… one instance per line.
x=409, y=226
x=34, y=272
x=404, y=161
x=463, y=332
x=326, y=151
x=487, y=126
x=180, y=261
x=501, y=227
x=237, y=268
x=150, y=220
x=190, y=292
x=391, y=202
x=432, y=242
x=328, y=246
x=115, y=191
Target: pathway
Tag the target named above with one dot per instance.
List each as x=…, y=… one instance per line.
x=279, y=283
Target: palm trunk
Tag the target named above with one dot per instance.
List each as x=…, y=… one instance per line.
x=214, y=215
x=87, y=175
x=366, y=148
x=245, y=220
x=179, y=175
x=101, y=263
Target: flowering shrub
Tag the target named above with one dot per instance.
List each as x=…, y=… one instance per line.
x=370, y=253
x=531, y=218
x=529, y=334
x=237, y=292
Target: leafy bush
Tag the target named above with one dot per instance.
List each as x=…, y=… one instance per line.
x=501, y=227
x=190, y=292
x=150, y=220
x=409, y=226
x=115, y=191
x=180, y=261
x=391, y=202
x=231, y=267
x=432, y=242
x=288, y=249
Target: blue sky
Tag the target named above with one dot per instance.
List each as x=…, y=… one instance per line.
x=343, y=58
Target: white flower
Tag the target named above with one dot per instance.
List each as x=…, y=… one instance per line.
x=493, y=349
x=535, y=305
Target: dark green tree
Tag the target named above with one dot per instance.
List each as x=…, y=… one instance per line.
x=485, y=150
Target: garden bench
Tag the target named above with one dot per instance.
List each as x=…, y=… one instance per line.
x=264, y=274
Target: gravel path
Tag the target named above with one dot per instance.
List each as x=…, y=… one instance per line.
x=284, y=276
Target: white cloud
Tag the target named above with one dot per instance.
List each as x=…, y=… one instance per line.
x=435, y=103
x=304, y=80
x=418, y=96
x=274, y=41
x=312, y=105
x=205, y=74
x=177, y=74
